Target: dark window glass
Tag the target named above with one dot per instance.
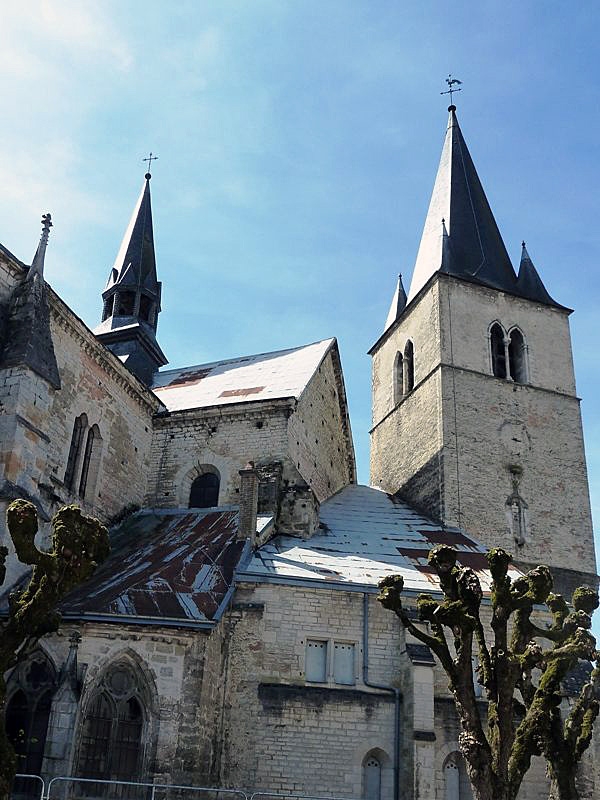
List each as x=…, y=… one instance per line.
x=398, y=378
x=498, y=354
x=205, y=491
x=96, y=739
x=27, y=727
x=409, y=367
x=76, y=441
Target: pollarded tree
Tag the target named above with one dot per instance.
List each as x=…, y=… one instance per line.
x=79, y=543
x=521, y=667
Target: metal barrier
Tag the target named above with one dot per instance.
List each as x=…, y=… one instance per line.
x=132, y=790
x=18, y=791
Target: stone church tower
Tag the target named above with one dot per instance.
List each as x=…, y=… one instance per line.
x=475, y=414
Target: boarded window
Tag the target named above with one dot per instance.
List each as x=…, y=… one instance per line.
x=75, y=450
x=372, y=778
x=315, y=668
x=498, y=351
x=456, y=781
x=343, y=663
x=204, y=492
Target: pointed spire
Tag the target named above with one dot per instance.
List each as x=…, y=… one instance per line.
x=470, y=231
x=529, y=283
x=37, y=265
x=398, y=304
x=131, y=299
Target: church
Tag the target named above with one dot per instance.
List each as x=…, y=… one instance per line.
x=233, y=639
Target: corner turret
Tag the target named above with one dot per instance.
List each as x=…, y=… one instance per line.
x=131, y=299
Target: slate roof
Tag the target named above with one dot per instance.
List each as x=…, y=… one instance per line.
x=268, y=376
x=470, y=245
x=171, y=565
x=365, y=534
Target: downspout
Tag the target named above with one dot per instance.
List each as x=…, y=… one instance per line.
x=392, y=689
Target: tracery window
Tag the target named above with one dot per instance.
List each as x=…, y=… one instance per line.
x=28, y=713
x=79, y=429
x=204, y=492
x=372, y=778
x=409, y=367
x=112, y=729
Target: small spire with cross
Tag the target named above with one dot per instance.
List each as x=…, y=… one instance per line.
x=150, y=159
x=453, y=83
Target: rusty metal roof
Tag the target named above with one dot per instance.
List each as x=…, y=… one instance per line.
x=268, y=376
x=365, y=534
x=166, y=564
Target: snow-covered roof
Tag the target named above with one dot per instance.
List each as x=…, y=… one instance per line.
x=268, y=376
x=366, y=534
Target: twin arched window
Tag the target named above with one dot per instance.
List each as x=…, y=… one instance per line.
x=83, y=461
x=404, y=372
x=508, y=354
x=112, y=729
x=204, y=492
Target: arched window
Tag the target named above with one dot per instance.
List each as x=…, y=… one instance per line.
x=498, y=351
x=75, y=450
x=91, y=463
x=112, y=730
x=516, y=356
x=409, y=367
x=205, y=491
x=372, y=778
x=28, y=713
x=398, y=378
x=456, y=781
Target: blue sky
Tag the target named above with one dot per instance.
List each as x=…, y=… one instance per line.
x=298, y=143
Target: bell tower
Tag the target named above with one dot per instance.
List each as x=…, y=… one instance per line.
x=476, y=420
x=131, y=299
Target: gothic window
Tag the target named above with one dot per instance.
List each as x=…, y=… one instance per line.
x=409, y=367
x=28, y=713
x=456, y=781
x=398, y=378
x=205, y=491
x=372, y=778
x=516, y=356
x=75, y=450
x=498, y=351
x=112, y=729
x=91, y=463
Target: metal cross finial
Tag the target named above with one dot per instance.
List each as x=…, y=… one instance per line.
x=452, y=82
x=150, y=159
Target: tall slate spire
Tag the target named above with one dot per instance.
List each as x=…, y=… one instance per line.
x=459, y=210
x=131, y=299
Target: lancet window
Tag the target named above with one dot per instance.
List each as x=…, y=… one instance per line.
x=409, y=367
x=79, y=429
x=508, y=354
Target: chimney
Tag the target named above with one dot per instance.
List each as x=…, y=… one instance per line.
x=248, y=503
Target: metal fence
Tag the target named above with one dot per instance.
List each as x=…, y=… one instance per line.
x=33, y=787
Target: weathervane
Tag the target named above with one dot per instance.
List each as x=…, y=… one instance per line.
x=451, y=83
x=150, y=159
